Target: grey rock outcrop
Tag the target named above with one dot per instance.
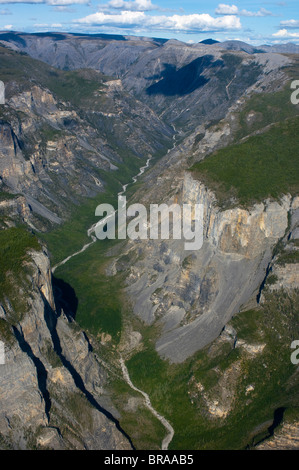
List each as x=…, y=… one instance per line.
x=286, y=438
x=52, y=385
x=193, y=294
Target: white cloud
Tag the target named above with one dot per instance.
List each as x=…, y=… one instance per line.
x=47, y=26
x=21, y=1
x=284, y=33
x=290, y=23
x=60, y=8
x=132, y=5
x=224, y=9
x=8, y=26
x=65, y=2
x=5, y=12
x=47, y=2
x=64, y=9
x=183, y=23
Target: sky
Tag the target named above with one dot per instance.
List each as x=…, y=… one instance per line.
x=255, y=22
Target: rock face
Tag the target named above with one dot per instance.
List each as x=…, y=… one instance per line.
x=287, y=438
x=15, y=209
x=284, y=268
x=52, y=385
x=194, y=294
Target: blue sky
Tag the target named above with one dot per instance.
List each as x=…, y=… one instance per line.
x=255, y=22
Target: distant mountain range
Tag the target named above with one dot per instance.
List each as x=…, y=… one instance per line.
x=23, y=40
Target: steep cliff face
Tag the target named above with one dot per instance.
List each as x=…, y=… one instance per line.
x=193, y=294
x=14, y=209
x=52, y=385
x=287, y=438
x=235, y=380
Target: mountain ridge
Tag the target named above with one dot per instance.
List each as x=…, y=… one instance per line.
x=71, y=139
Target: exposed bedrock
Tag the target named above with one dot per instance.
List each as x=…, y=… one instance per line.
x=193, y=294
x=52, y=385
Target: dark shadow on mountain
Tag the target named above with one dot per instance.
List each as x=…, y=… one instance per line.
x=41, y=371
x=185, y=80
x=65, y=298
x=160, y=41
x=55, y=36
x=104, y=37
x=51, y=322
x=277, y=421
x=12, y=37
x=209, y=42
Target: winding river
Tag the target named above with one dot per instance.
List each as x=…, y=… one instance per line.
x=167, y=440
x=103, y=221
